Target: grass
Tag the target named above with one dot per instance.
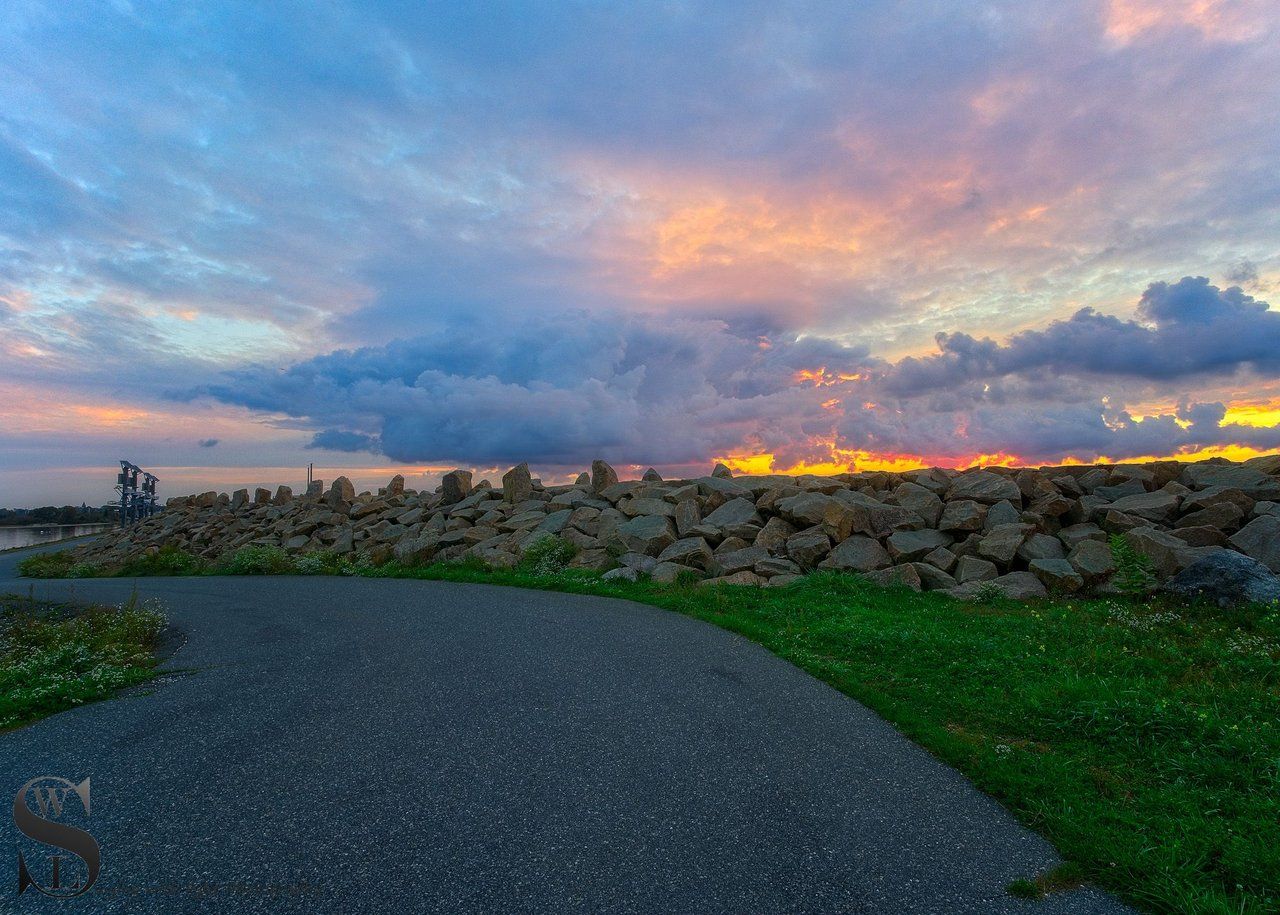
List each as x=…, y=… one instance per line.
x=57, y=656
x=1141, y=737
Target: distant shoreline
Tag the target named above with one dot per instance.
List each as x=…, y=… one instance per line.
x=31, y=546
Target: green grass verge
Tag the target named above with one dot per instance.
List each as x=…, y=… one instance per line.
x=56, y=656
x=1141, y=738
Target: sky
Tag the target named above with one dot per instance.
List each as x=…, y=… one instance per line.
x=236, y=238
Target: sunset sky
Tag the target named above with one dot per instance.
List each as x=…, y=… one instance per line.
x=239, y=237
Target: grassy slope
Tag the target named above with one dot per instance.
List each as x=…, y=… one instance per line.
x=1142, y=739
x=55, y=657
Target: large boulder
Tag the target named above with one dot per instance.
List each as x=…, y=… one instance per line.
x=919, y=499
x=517, y=484
x=1260, y=540
x=962, y=515
x=811, y=509
x=1019, y=586
x=808, y=547
x=985, y=487
x=1226, y=578
x=1041, y=546
x=857, y=554
x=648, y=534
x=455, y=486
x=971, y=568
x=1001, y=544
x=1249, y=480
x=734, y=512
x=1056, y=574
x=1168, y=554
x=602, y=476
x=1160, y=506
x=874, y=518
x=1092, y=559
x=340, y=493
x=908, y=546
x=740, y=560
x=1225, y=516
x=773, y=536
x=691, y=551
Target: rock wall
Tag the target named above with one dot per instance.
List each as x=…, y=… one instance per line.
x=1021, y=531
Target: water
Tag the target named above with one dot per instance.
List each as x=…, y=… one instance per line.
x=11, y=537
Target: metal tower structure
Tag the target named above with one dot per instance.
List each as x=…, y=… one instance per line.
x=137, y=498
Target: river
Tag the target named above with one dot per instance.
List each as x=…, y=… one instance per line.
x=11, y=537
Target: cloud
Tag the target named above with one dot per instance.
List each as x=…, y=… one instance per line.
x=558, y=389
x=564, y=389
x=1183, y=331
x=208, y=443
x=338, y=440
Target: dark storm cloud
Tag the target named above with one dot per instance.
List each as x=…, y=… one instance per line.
x=1185, y=330
x=566, y=388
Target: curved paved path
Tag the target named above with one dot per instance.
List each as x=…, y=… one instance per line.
x=389, y=746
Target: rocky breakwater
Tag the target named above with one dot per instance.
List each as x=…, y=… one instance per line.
x=1022, y=532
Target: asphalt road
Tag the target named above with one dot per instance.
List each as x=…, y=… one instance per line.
x=356, y=745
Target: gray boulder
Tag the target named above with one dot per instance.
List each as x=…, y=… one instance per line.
x=857, y=554
x=517, y=484
x=971, y=568
x=1020, y=586
x=1260, y=540
x=740, y=560
x=1249, y=480
x=1226, y=578
x=808, y=547
x=340, y=492
x=602, y=476
x=733, y=512
x=984, y=486
x=455, y=486
x=920, y=500
x=1160, y=506
x=1056, y=574
x=962, y=515
x=908, y=546
x=1001, y=513
x=1092, y=559
x=1001, y=544
x=1041, y=546
x=874, y=518
x=691, y=551
x=1167, y=553
x=648, y=534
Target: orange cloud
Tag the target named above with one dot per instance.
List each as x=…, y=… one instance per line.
x=1217, y=20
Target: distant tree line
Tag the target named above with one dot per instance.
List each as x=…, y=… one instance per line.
x=55, y=514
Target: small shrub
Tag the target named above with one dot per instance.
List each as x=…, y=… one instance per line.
x=1134, y=575
x=548, y=555
x=168, y=560
x=988, y=592
x=258, y=560
x=54, y=657
x=324, y=562
x=47, y=565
